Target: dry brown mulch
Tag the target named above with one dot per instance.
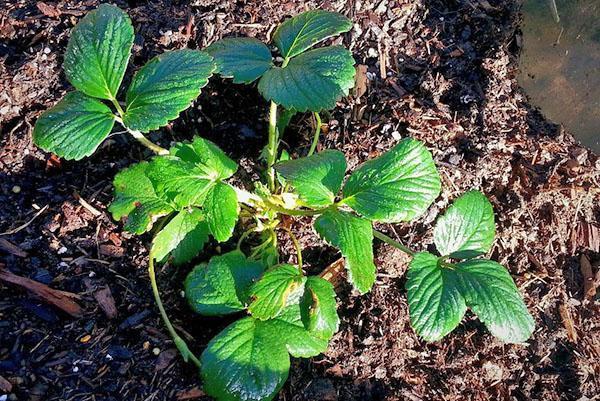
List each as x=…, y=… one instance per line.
x=441, y=71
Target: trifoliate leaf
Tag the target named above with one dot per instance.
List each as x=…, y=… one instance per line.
x=492, y=295
x=98, y=52
x=317, y=178
x=166, y=86
x=75, y=127
x=222, y=210
x=136, y=198
x=187, y=183
x=205, y=153
x=183, y=237
x=305, y=30
x=280, y=287
x=438, y=296
x=353, y=236
x=243, y=59
x=318, y=308
x=396, y=186
x=222, y=286
x=244, y=363
x=249, y=361
x=467, y=228
x=313, y=81
x=435, y=304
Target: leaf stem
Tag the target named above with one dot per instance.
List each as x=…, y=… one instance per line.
x=115, y=103
x=296, y=245
x=393, y=242
x=293, y=212
x=142, y=139
x=272, y=145
x=181, y=345
x=315, y=141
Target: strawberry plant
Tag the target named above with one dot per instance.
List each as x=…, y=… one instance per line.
x=184, y=196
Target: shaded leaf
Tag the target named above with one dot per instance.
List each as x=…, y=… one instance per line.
x=136, y=198
x=434, y=300
x=303, y=31
x=353, y=236
x=397, y=186
x=164, y=87
x=222, y=286
x=317, y=178
x=98, y=51
x=183, y=237
x=280, y=287
x=467, y=228
x=318, y=308
x=222, y=210
x=313, y=81
x=243, y=59
x=75, y=127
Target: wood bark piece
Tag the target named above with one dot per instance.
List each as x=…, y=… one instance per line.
x=61, y=299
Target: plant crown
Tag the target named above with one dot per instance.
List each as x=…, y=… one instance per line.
x=183, y=194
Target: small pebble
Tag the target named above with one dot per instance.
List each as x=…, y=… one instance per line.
x=109, y=357
x=3, y=397
x=156, y=351
x=62, y=250
x=75, y=369
x=85, y=339
x=16, y=189
x=47, y=50
x=146, y=345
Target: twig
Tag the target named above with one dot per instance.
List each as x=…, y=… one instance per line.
x=21, y=227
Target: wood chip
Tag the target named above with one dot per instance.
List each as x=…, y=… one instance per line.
x=191, y=394
x=48, y=10
x=589, y=283
x=567, y=321
x=5, y=385
x=11, y=248
x=61, y=299
x=104, y=297
x=361, y=81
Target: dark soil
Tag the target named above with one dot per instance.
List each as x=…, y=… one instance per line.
x=441, y=71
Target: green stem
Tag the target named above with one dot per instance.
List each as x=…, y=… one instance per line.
x=393, y=242
x=115, y=103
x=142, y=139
x=315, y=141
x=297, y=246
x=181, y=345
x=272, y=146
x=293, y=212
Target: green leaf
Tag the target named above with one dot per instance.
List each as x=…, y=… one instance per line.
x=222, y=210
x=75, y=127
x=187, y=183
x=136, y=198
x=307, y=29
x=299, y=341
x=318, y=308
x=245, y=363
x=354, y=237
x=222, y=286
x=284, y=116
x=249, y=359
x=396, y=186
x=205, y=153
x=278, y=288
x=184, y=237
x=243, y=59
x=166, y=86
x=435, y=304
x=98, y=52
x=317, y=178
x=438, y=297
x=491, y=293
x=467, y=228
x=313, y=81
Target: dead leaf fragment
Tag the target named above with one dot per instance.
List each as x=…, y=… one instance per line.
x=191, y=394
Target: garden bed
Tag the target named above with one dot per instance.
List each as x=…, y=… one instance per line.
x=444, y=74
